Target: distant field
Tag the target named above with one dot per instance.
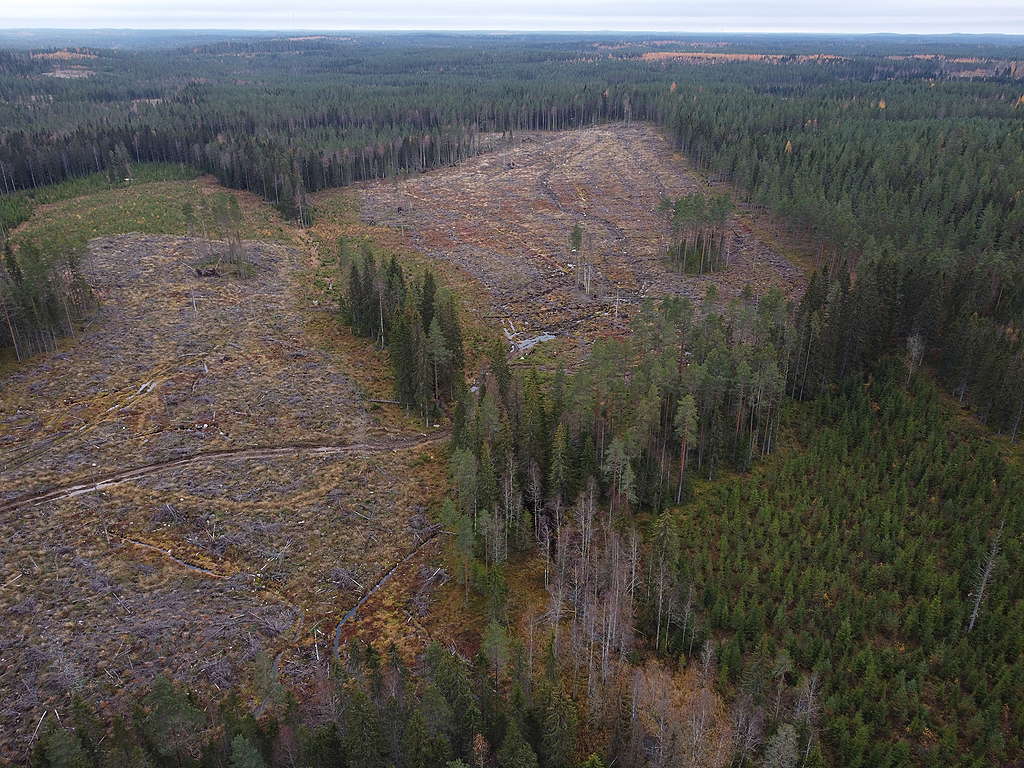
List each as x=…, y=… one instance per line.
x=952, y=66
x=715, y=57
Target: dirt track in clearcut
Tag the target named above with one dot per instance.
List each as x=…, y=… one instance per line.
x=189, y=483
x=96, y=484
x=504, y=218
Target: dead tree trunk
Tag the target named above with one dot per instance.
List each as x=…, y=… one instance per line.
x=984, y=576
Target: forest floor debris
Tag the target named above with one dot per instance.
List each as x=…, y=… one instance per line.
x=179, y=483
x=505, y=217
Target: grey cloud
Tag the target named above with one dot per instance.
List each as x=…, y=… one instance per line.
x=724, y=16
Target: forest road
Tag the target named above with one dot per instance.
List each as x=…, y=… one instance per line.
x=99, y=483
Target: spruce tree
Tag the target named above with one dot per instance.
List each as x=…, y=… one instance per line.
x=244, y=754
x=440, y=359
x=559, y=731
x=427, y=295
x=361, y=738
x=423, y=747
x=514, y=751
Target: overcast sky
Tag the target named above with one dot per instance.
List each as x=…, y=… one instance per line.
x=922, y=16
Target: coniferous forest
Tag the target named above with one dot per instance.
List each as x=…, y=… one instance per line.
x=762, y=529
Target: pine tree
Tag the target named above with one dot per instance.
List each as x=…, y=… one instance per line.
x=685, y=429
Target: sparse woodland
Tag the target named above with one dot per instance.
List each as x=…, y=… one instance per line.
x=777, y=507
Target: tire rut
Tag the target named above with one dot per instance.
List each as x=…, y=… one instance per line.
x=99, y=483
x=351, y=613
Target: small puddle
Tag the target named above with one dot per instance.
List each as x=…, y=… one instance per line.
x=522, y=346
